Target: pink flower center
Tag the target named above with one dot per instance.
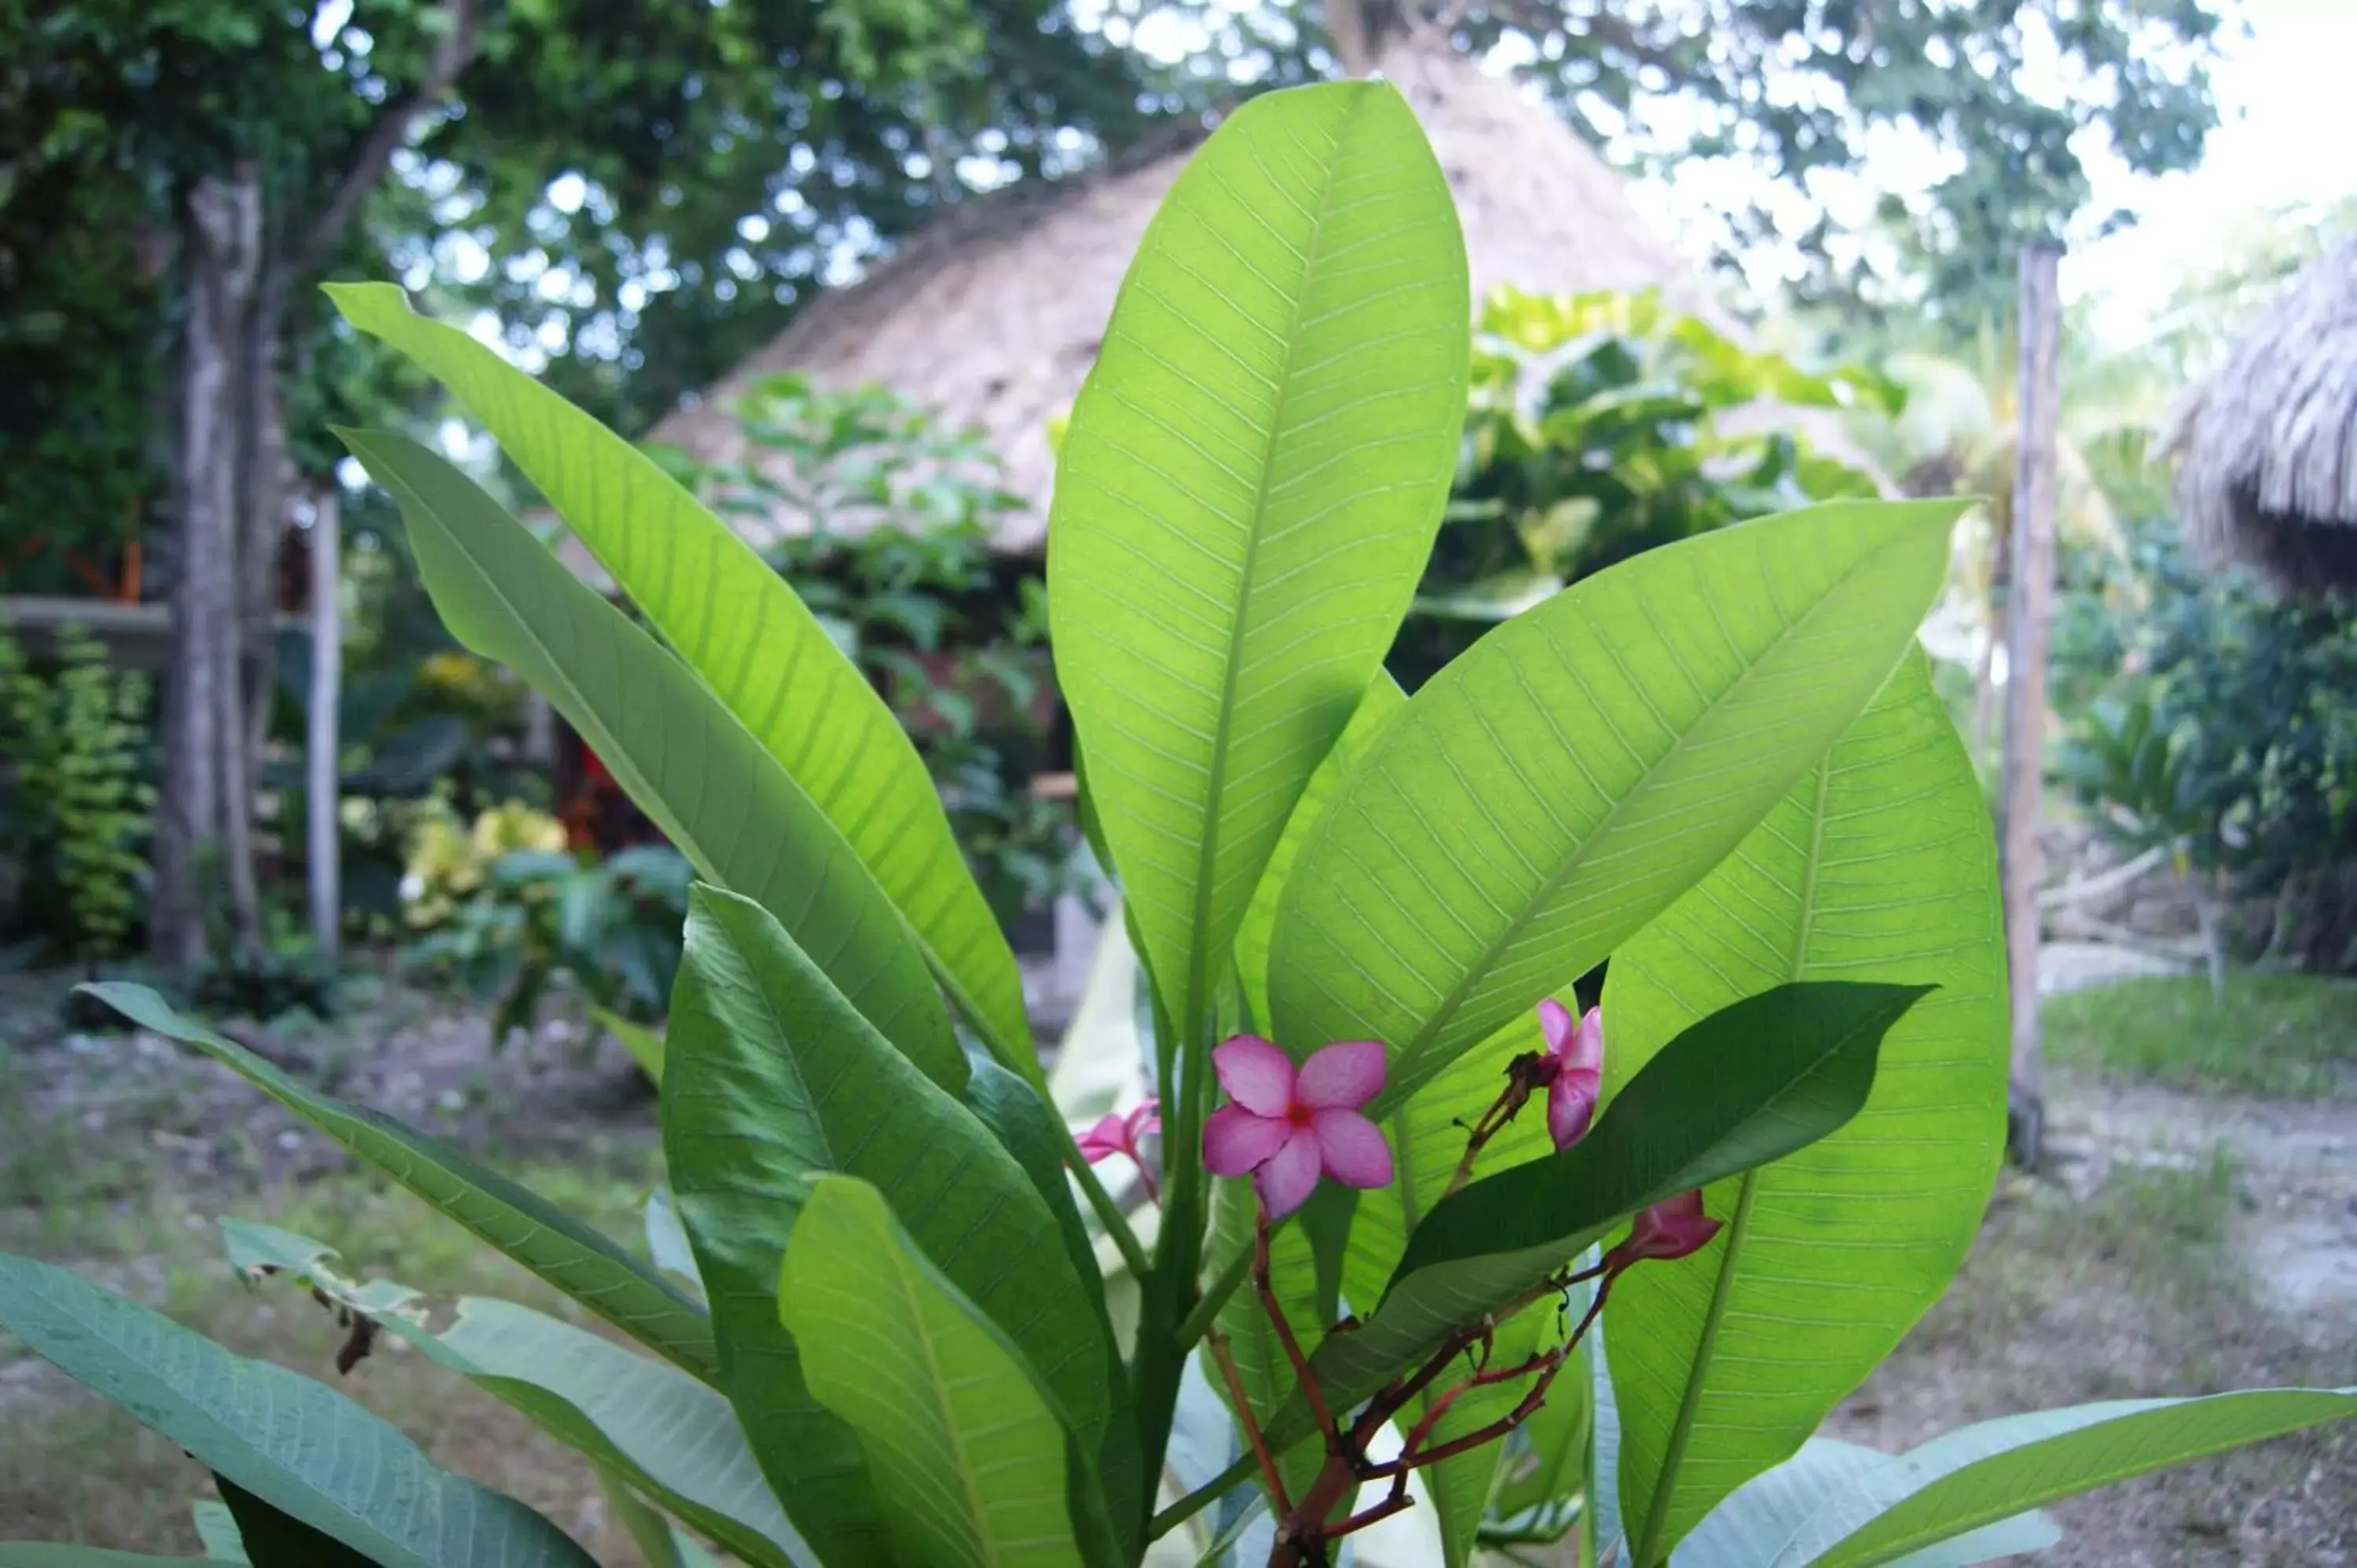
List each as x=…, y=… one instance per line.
x=1299, y=1116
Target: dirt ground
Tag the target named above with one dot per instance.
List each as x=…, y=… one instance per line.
x=2184, y=1242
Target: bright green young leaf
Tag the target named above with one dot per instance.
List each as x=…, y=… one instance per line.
x=1248, y=490
x=687, y=761
x=1382, y=702
x=672, y=1436
x=1996, y=1469
x=1758, y=1517
x=544, y=1239
x=1878, y=865
x=1748, y=1084
x=754, y=644
x=269, y=1538
x=773, y=1079
x=960, y=1432
x=297, y=1444
x=1550, y=792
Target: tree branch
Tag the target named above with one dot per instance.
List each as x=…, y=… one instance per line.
x=452, y=53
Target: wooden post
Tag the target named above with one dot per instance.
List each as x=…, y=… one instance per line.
x=2030, y=611
x=326, y=694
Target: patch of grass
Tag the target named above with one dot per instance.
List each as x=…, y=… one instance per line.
x=2132, y=1291
x=2282, y=1035
x=73, y=1469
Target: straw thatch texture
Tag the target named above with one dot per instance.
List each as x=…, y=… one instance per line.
x=2267, y=445
x=992, y=315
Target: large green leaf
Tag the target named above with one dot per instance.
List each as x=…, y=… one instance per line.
x=1748, y=1084
x=672, y=1436
x=1996, y=1469
x=544, y=1239
x=960, y=1432
x=1758, y=1517
x=698, y=772
x=1247, y=491
x=1380, y=702
x=297, y=1444
x=1555, y=788
x=1878, y=865
x=752, y=641
x=772, y=1078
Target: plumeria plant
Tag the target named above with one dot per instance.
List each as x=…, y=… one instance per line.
x=1427, y=1257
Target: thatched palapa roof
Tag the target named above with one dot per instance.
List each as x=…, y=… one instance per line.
x=992, y=315
x=2267, y=443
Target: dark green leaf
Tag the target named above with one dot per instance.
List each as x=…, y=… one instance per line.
x=554, y=1245
x=669, y=1436
x=1749, y=1084
x=309, y=1452
x=271, y=1540
x=772, y=1078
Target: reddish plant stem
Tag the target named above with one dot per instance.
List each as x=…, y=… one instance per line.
x=1263, y=1281
x=1303, y=1531
x=1522, y=1076
x=1269, y=1475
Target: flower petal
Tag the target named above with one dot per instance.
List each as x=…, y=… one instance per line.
x=1343, y=1076
x=1290, y=1176
x=1556, y=1023
x=1235, y=1141
x=1146, y=1118
x=1672, y=1229
x=1586, y=1050
x=1109, y=1136
x=1256, y=1075
x=1352, y=1149
x=1571, y=1106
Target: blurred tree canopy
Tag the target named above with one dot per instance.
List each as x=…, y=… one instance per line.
x=715, y=156
x=1994, y=94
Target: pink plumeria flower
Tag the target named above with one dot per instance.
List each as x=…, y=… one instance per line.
x=1288, y=1128
x=1572, y=1069
x=1670, y=1229
x=1115, y=1134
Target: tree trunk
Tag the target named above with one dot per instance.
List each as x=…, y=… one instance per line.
x=205, y=819
x=261, y=499
x=2028, y=610
x=326, y=691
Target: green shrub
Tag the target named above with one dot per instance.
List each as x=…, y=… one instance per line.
x=79, y=808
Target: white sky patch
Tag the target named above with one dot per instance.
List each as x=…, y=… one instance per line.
x=2287, y=133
